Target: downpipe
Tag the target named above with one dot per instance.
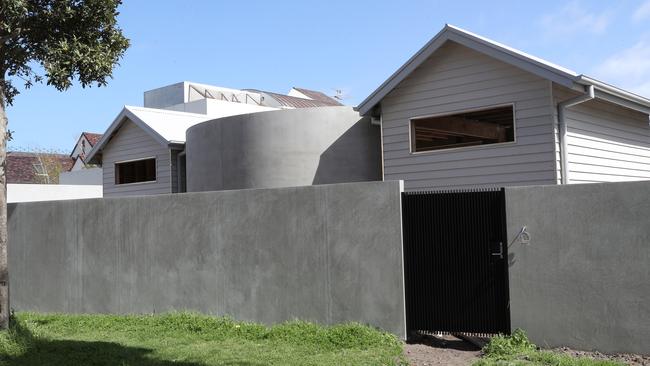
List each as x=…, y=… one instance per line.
x=561, y=107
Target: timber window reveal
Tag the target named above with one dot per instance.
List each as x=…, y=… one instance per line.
x=478, y=127
x=136, y=171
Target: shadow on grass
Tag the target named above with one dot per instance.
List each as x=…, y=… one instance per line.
x=87, y=353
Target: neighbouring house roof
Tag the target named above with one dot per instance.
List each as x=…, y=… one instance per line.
x=319, y=96
x=288, y=101
x=92, y=138
x=165, y=126
x=36, y=168
x=532, y=64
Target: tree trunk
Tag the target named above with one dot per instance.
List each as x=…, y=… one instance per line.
x=4, y=269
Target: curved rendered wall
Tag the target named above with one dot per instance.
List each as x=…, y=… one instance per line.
x=283, y=148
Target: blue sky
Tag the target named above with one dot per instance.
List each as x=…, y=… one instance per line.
x=326, y=45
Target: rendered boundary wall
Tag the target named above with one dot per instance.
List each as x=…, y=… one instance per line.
x=327, y=253
x=583, y=279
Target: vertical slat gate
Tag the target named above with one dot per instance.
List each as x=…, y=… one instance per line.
x=456, y=267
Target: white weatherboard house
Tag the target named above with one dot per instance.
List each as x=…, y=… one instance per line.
x=143, y=151
x=466, y=111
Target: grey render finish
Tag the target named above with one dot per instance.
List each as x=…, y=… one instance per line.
x=459, y=71
x=282, y=148
x=327, y=253
x=583, y=280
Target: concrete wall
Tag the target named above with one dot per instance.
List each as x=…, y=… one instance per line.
x=584, y=278
x=165, y=96
x=328, y=253
x=51, y=192
x=282, y=148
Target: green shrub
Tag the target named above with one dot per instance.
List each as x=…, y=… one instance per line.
x=502, y=347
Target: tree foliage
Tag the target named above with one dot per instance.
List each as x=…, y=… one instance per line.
x=58, y=41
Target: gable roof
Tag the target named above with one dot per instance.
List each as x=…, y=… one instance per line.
x=522, y=60
x=165, y=126
x=319, y=96
x=92, y=138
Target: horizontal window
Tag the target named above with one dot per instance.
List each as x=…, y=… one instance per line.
x=487, y=126
x=135, y=171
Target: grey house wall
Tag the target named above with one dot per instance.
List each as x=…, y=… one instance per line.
x=457, y=79
x=327, y=253
x=282, y=148
x=584, y=279
x=606, y=142
x=131, y=143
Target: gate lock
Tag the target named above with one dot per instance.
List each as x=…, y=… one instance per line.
x=500, y=252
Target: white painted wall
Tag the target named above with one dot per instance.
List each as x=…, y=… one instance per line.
x=85, y=176
x=606, y=142
x=51, y=192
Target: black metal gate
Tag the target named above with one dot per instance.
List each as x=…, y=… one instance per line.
x=456, y=262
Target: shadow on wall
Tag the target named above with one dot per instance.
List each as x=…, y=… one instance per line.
x=347, y=157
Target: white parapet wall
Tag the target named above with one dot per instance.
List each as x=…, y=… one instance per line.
x=85, y=176
x=51, y=192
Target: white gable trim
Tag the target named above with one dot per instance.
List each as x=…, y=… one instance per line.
x=123, y=116
x=524, y=61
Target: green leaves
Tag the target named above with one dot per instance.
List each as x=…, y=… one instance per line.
x=69, y=39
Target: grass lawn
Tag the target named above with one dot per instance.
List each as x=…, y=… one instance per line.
x=518, y=350
x=188, y=339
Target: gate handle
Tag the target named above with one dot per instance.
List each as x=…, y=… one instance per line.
x=500, y=252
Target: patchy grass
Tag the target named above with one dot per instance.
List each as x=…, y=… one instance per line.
x=516, y=349
x=189, y=339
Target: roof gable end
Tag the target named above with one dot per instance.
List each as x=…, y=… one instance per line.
x=509, y=55
x=496, y=50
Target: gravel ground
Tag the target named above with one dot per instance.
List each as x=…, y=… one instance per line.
x=447, y=350
x=629, y=359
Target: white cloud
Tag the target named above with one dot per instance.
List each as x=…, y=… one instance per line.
x=642, y=12
x=629, y=68
x=573, y=19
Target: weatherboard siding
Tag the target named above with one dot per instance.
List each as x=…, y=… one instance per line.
x=456, y=79
x=131, y=143
x=606, y=142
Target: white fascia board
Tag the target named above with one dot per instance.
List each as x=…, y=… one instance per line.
x=125, y=114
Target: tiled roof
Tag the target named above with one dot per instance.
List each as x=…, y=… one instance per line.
x=93, y=138
x=319, y=96
x=22, y=167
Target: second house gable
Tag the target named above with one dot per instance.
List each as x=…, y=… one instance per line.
x=132, y=144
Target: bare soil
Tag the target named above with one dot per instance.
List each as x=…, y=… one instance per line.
x=626, y=358
x=444, y=350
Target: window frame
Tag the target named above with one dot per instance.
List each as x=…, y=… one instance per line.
x=155, y=162
x=468, y=110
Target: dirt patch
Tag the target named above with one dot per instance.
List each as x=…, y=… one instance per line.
x=626, y=358
x=445, y=350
